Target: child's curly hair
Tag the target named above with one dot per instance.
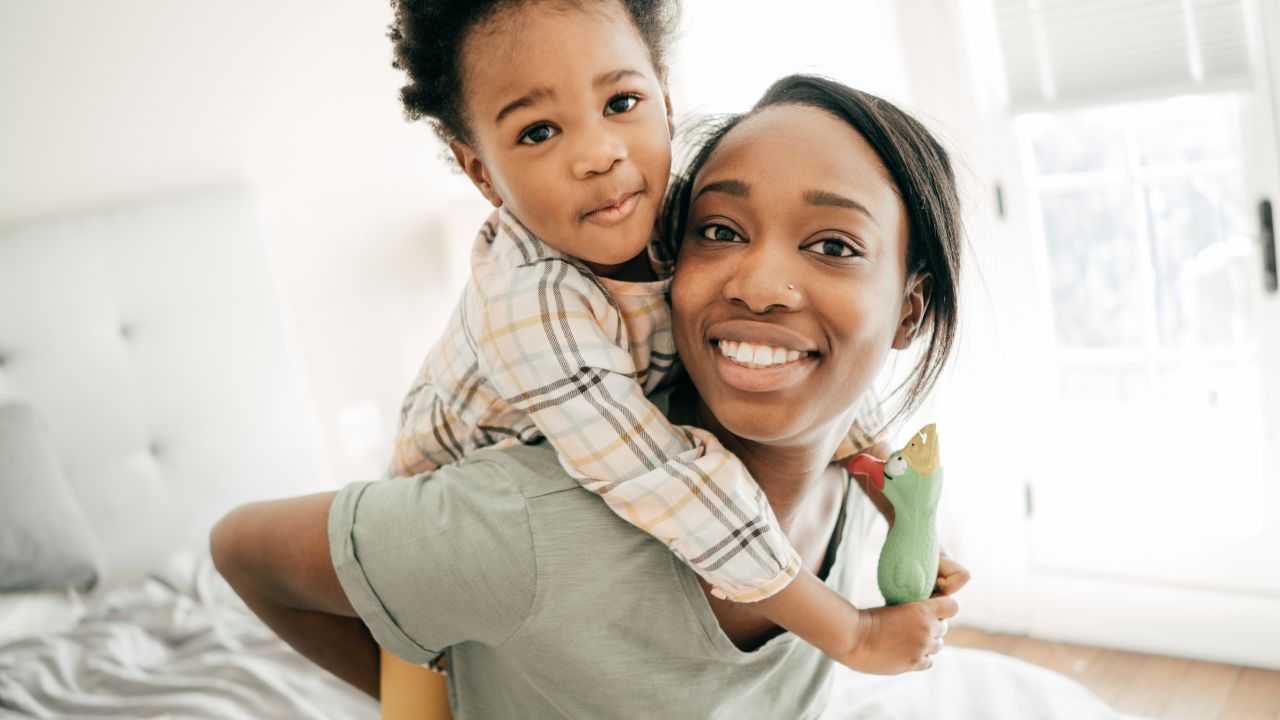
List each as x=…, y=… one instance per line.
x=429, y=34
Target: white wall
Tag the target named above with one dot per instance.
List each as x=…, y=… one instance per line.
x=108, y=102
x=729, y=51
x=955, y=86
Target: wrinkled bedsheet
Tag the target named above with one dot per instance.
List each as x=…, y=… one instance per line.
x=182, y=645
x=177, y=645
x=966, y=684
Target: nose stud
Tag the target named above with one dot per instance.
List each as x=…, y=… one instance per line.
x=790, y=286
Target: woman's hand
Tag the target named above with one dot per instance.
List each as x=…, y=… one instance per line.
x=951, y=575
x=901, y=638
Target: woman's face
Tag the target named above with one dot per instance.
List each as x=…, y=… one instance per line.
x=791, y=284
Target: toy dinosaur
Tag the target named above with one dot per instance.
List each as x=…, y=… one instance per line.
x=911, y=479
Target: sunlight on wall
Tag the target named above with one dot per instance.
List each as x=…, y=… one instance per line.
x=729, y=52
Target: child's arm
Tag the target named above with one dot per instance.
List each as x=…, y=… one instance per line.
x=881, y=641
x=411, y=692
x=550, y=345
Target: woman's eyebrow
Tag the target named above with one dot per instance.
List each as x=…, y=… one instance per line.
x=822, y=197
x=736, y=188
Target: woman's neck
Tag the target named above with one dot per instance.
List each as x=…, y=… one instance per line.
x=788, y=474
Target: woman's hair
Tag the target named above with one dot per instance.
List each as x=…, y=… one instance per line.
x=921, y=170
x=428, y=36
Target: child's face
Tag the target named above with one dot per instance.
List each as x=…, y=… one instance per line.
x=570, y=127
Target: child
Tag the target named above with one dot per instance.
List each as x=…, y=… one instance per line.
x=558, y=113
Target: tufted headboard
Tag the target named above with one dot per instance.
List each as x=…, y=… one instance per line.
x=153, y=341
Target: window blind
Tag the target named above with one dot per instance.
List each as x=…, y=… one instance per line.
x=1074, y=52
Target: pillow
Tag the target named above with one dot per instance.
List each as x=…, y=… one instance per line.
x=34, y=614
x=45, y=540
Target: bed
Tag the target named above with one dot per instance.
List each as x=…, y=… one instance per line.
x=147, y=385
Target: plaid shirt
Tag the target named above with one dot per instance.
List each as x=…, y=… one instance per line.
x=539, y=346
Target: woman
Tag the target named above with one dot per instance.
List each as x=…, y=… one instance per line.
x=823, y=223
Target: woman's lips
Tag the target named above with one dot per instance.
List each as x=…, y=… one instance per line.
x=615, y=212
x=751, y=376
x=757, y=333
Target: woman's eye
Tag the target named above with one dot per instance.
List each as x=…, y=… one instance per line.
x=537, y=134
x=834, y=247
x=720, y=233
x=620, y=104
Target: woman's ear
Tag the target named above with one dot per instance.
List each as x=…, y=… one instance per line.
x=471, y=164
x=914, y=304
x=671, y=122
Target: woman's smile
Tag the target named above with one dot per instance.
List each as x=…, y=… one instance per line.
x=753, y=376
x=758, y=356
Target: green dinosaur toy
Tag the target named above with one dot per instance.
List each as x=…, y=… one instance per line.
x=912, y=481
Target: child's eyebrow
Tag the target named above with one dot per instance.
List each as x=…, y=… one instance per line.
x=525, y=100
x=542, y=93
x=614, y=76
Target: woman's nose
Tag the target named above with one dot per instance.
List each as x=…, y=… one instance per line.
x=597, y=152
x=764, y=280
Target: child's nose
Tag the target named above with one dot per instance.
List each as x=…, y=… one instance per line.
x=597, y=152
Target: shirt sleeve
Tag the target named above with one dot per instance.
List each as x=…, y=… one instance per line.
x=550, y=343
x=436, y=559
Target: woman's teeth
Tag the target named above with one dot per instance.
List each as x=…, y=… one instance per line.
x=757, y=356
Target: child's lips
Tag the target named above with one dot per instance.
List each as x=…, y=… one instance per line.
x=614, y=211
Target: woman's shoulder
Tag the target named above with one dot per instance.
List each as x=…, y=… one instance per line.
x=533, y=470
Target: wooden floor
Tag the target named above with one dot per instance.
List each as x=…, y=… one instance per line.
x=1147, y=685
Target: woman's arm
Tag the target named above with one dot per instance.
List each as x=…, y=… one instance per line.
x=275, y=555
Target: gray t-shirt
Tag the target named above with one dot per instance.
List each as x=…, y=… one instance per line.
x=550, y=606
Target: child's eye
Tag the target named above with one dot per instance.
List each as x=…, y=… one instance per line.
x=834, y=247
x=720, y=233
x=537, y=134
x=619, y=104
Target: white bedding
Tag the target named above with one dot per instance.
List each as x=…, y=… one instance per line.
x=966, y=684
x=178, y=645
x=31, y=614
x=181, y=645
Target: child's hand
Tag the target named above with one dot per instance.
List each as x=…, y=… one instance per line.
x=951, y=575
x=900, y=638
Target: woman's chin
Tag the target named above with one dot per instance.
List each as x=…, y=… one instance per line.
x=755, y=423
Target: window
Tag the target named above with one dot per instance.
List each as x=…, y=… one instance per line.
x=1153, y=296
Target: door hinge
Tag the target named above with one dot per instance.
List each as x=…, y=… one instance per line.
x=1267, y=234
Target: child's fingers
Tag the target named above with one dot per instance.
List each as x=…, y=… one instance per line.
x=944, y=606
x=951, y=575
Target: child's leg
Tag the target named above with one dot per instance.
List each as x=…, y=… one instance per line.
x=276, y=556
x=412, y=692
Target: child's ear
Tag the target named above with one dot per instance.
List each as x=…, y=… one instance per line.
x=471, y=164
x=914, y=304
